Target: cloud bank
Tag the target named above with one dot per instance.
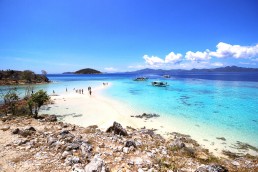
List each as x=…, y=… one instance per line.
x=236, y=51
x=202, y=58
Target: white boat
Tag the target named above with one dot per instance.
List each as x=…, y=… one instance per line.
x=166, y=76
x=159, y=84
x=141, y=79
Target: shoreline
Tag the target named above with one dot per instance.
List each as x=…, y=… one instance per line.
x=103, y=111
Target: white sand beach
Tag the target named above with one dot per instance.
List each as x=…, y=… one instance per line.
x=95, y=109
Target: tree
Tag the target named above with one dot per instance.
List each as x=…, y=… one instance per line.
x=36, y=101
x=10, y=99
x=28, y=75
x=28, y=91
x=44, y=73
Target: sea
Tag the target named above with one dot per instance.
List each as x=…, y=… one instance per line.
x=224, y=102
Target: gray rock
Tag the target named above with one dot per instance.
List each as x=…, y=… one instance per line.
x=30, y=129
x=50, y=118
x=138, y=161
x=51, y=140
x=130, y=143
x=177, y=144
x=117, y=129
x=212, y=168
x=140, y=170
x=16, y=131
x=96, y=165
x=86, y=149
x=5, y=128
x=235, y=163
x=65, y=154
x=126, y=150
x=72, y=160
x=77, y=168
x=73, y=146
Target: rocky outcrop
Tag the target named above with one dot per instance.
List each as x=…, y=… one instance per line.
x=117, y=129
x=57, y=146
x=212, y=168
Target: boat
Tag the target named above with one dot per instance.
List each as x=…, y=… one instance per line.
x=141, y=79
x=166, y=76
x=159, y=84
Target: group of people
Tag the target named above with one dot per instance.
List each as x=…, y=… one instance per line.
x=80, y=91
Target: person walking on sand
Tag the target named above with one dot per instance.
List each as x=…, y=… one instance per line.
x=82, y=91
x=66, y=89
x=89, y=89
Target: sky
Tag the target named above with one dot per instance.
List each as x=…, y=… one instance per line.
x=127, y=35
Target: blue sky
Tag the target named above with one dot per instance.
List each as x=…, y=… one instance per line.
x=127, y=35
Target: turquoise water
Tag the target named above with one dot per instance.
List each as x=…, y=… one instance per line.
x=225, y=105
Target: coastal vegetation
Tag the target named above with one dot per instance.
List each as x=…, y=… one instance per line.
x=14, y=77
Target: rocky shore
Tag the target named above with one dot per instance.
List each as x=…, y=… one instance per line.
x=44, y=144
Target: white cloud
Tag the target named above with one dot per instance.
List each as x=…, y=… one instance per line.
x=156, y=61
x=110, y=69
x=217, y=64
x=153, y=60
x=247, y=63
x=236, y=51
x=197, y=56
x=137, y=66
x=172, y=57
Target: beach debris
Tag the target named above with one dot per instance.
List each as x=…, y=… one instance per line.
x=117, y=129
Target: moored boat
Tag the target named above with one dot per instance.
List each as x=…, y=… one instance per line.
x=141, y=79
x=159, y=84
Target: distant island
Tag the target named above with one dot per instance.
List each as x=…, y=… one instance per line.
x=221, y=69
x=14, y=77
x=84, y=71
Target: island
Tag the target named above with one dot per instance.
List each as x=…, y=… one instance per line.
x=85, y=71
x=15, y=77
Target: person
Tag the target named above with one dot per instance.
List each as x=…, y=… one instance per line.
x=89, y=89
x=82, y=91
x=53, y=91
x=66, y=89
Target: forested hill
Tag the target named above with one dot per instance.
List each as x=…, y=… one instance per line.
x=13, y=77
x=85, y=71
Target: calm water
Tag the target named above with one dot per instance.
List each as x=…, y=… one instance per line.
x=224, y=101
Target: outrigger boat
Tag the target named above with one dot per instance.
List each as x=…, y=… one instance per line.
x=159, y=84
x=141, y=79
